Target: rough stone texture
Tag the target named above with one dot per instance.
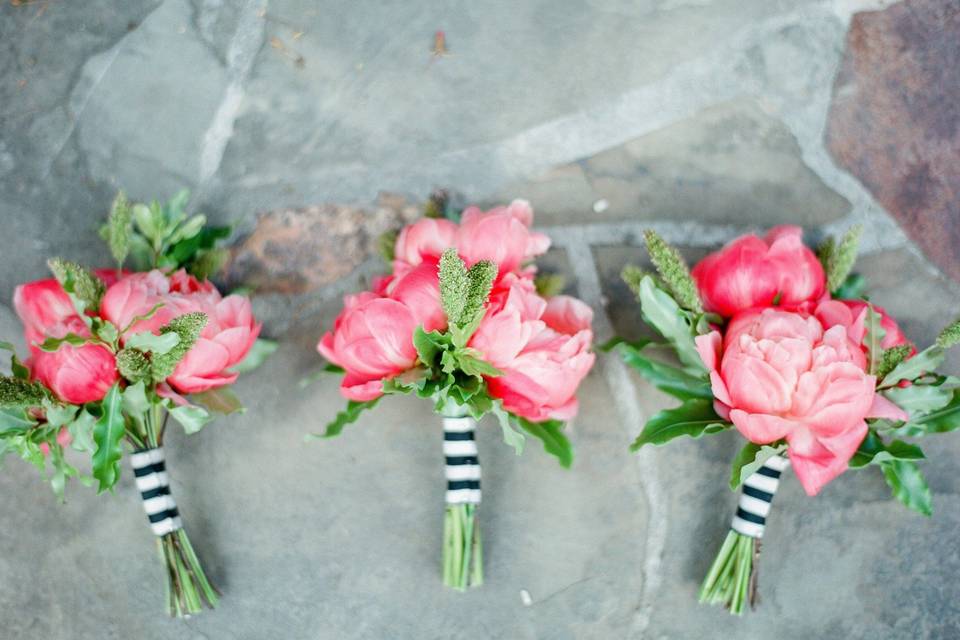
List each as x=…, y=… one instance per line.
x=895, y=120
x=700, y=118
x=295, y=251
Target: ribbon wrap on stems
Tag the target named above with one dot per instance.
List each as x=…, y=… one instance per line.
x=462, y=547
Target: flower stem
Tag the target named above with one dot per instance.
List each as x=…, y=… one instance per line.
x=462, y=551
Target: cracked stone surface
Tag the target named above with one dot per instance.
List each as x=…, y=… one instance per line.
x=700, y=118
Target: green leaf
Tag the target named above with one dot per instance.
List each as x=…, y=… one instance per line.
x=220, y=400
x=146, y=316
x=919, y=398
x=664, y=314
x=460, y=334
x=187, y=327
x=108, y=433
x=258, y=354
x=188, y=229
x=59, y=415
x=387, y=245
x=191, y=417
x=153, y=343
x=428, y=345
x=693, y=418
x=345, y=417
x=891, y=358
x=511, y=436
x=81, y=432
x=873, y=450
x=927, y=360
x=632, y=276
x=18, y=369
x=119, y=228
x=15, y=420
x=17, y=393
x=908, y=485
x=943, y=420
x=672, y=380
x=852, y=288
x=135, y=401
x=149, y=221
x=474, y=366
x=551, y=434
x=750, y=458
x=84, y=288
x=674, y=271
x=53, y=344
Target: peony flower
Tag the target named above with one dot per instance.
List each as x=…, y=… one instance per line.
x=75, y=374
x=541, y=348
x=852, y=315
x=419, y=290
x=224, y=342
x=756, y=272
x=780, y=375
x=372, y=339
x=425, y=238
x=501, y=235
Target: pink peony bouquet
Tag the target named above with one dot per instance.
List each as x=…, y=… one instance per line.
x=780, y=344
x=113, y=354
x=460, y=321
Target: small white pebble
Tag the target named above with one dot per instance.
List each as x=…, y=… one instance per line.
x=525, y=598
x=601, y=205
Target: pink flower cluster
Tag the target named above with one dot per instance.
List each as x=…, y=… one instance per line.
x=541, y=346
x=790, y=363
x=80, y=374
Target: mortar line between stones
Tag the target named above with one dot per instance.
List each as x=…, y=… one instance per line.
x=580, y=256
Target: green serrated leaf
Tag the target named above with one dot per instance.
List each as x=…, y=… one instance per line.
x=157, y=344
x=908, y=485
x=927, y=360
x=429, y=345
x=919, y=398
x=664, y=314
x=511, y=436
x=258, y=354
x=108, y=433
x=873, y=450
x=750, y=458
x=220, y=400
x=15, y=420
x=191, y=417
x=551, y=434
x=474, y=366
x=345, y=417
x=51, y=345
x=81, y=432
x=674, y=271
x=873, y=339
x=59, y=415
x=694, y=418
x=672, y=380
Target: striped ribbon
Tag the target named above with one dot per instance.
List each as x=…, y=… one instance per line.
x=462, y=463
x=755, y=497
x=154, y=485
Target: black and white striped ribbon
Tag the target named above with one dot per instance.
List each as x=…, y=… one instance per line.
x=462, y=463
x=755, y=497
x=154, y=485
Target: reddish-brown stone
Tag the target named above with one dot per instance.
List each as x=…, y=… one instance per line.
x=295, y=251
x=895, y=119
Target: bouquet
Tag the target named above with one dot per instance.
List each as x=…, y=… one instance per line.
x=113, y=354
x=460, y=321
x=784, y=346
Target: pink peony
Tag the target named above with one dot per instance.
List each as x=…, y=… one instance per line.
x=426, y=238
x=779, y=375
x=372, y=339
x=224, y=342
x=74, y=374
x=852, y=315
x=754, y=272
x=541, y=348
x=419, y=290
x=501, y=235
